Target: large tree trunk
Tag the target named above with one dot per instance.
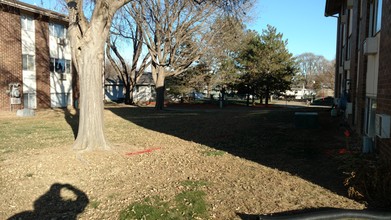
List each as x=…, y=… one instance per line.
x=87, y=40
x=91, y=127
x=128, y=95
x=267, y=94
x=160, y=89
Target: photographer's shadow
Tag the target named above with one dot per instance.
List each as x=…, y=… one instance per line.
x=62, y=201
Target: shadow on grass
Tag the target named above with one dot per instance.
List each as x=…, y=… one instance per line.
x=62, y=201
x=267, y=137
x=72, y=118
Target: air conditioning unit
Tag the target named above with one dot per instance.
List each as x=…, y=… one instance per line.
x=16, y=101
x=382, y=126
x=349, y=4
x=370, y=46
x=344, y=19
x=61, y=41
x=346, y=65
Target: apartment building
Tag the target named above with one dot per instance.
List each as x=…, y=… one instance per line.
x=363, y=71
x=35, y=58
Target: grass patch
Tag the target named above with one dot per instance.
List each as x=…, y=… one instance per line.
x=151, y=208
x=189, y=204
x=33, y=133
x=94, y=204
x=213, y=153
x=206, y=151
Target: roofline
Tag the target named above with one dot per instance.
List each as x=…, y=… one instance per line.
x=332, y=7
x=35, y=9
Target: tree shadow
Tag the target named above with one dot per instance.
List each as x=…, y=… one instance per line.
x=266, y=136
x=72, y=118
x=62, y=201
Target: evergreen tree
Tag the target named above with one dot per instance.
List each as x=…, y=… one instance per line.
x=267, y=62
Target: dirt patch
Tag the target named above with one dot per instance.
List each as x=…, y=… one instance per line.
x=259, y=171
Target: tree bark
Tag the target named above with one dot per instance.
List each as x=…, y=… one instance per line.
x=160, y=89
x=87, y=39
x=91, y=128
x=128, y=95
x=267, y=94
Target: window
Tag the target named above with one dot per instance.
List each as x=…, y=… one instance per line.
x=28, y=62
x=27, y=23
x=350, y=22
x=375, y=16
x=379, y=15
x=60, y=66
x=57, y=30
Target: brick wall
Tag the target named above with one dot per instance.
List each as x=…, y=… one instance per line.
x=42, y=61
x=354, y=62
x=11, y=53
x=384, y=85
x=362, y=68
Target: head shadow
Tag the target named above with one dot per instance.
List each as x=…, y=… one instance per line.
x=61, y=201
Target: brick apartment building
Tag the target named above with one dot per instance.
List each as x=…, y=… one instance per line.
x=35, y=58
x=363, y=70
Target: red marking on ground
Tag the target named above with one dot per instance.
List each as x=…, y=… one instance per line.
x=142, y=152
x=344, y=151
x=341, y=151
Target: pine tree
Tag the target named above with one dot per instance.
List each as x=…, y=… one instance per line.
x=267, y=62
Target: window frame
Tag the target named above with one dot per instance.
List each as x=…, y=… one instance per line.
x=27, y=22
x=66, y=66
x=28, y=62
x=54, y=30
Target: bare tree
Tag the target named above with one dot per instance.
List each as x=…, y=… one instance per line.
x=175, y=34
x=326, y=78
x=87, y=39
x=311, y=65
x=127, y=29
x=314, y=71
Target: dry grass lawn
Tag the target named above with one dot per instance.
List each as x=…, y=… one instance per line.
x=252, y=161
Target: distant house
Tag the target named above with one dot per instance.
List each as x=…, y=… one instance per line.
x=300, y=93
x=144, y=91
x=362, y=75
x=35, y=58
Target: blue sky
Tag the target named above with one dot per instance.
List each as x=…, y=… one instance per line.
x=302, y=23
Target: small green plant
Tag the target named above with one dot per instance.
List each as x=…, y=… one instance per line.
x=29, y=175
x=94, y=204
x=151, y=208
x=213, y=153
